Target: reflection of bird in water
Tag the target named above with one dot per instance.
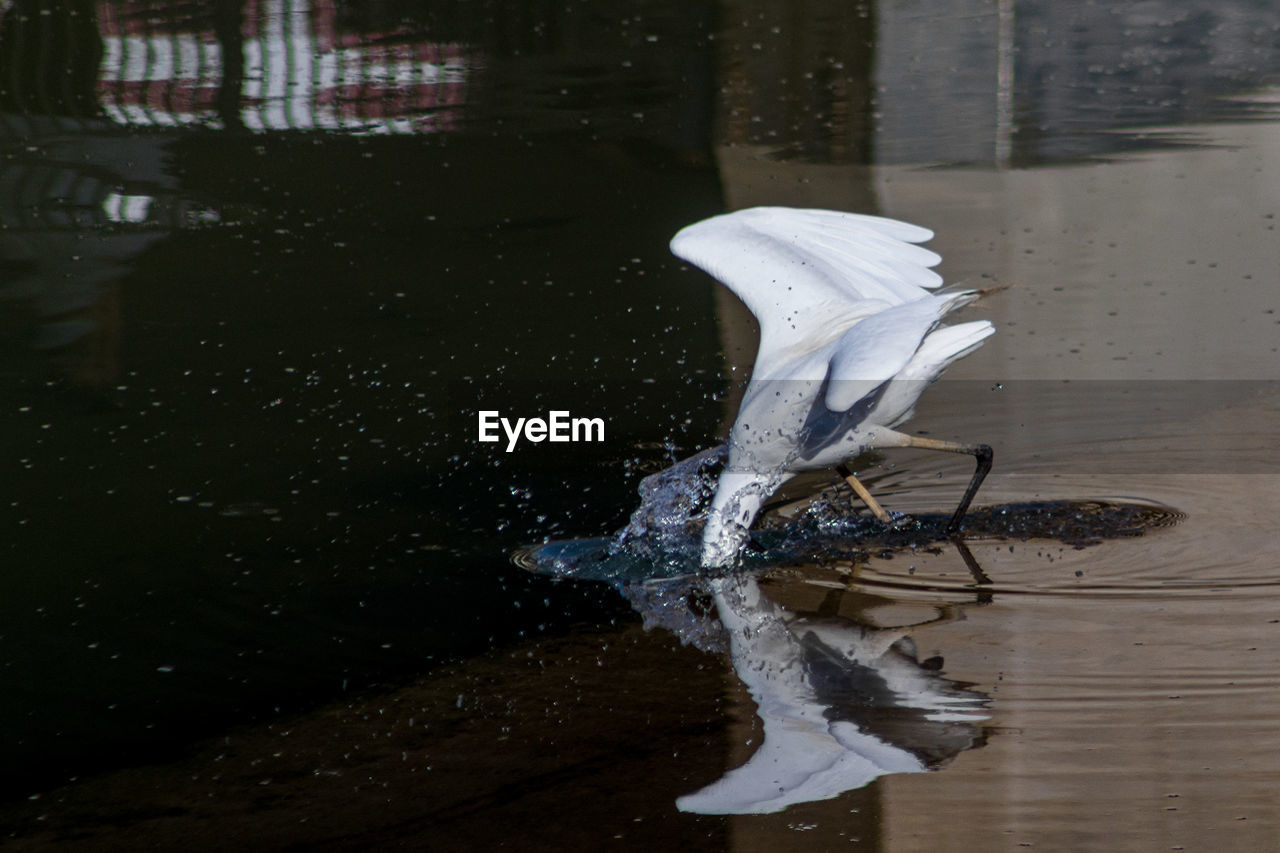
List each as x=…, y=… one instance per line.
x=849, y=339
x=842, y=704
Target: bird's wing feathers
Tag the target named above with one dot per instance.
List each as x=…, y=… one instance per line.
x=782, y=261
x=877, y=349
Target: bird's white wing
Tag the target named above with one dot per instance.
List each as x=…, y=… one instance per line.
x=793, y=266
x=941, y=347
x=877, y=349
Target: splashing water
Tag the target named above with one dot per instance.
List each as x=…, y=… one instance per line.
x=662, y=539
x=672, y=515
x=668, y=521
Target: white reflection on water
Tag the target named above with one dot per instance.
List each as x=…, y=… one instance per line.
x=842, y=702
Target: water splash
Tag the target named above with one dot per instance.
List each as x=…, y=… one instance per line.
x=670, y=520
x=672, y=505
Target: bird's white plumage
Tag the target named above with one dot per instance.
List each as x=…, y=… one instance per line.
x=849, y=338
x=789, y=265
x=877, y=349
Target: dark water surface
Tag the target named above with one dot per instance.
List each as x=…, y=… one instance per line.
x=263, y=264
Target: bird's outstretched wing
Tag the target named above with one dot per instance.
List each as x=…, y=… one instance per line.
x=792, y=266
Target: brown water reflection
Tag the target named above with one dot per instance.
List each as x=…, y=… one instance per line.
x=245, y=332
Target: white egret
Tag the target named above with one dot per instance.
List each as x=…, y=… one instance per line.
x=850, y=336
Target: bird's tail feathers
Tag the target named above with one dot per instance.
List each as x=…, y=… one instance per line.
x=947, y=344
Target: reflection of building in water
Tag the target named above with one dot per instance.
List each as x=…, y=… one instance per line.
x=71, y=214
x=287, y=66
x=804, y=91
x=80, y=197
x=1008, y=83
